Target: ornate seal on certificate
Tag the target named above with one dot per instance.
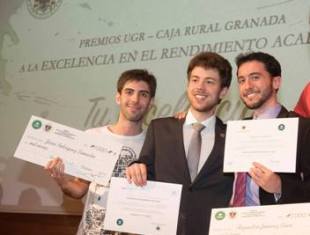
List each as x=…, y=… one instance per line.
x=42, y=9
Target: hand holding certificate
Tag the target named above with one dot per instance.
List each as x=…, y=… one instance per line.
x=286, y=219
x=271, y=142
x=86, y=156
x=152, y=209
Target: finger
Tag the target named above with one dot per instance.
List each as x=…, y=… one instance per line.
x=252, y=173
x=261, y=167
x=133, y=173
x=60, y=169
x=180, y=115
x=255, y=172
x=128, y=175
x=257, y=175
x=53, y=172
x=137, y=177
x=48, y=164
x=56, y=168
x=52, y=163
x=143, y=172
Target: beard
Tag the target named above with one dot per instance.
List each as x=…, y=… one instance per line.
x=264, y=96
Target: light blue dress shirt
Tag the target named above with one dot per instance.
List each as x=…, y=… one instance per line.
x=252, y=189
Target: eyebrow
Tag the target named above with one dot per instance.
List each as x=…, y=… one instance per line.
x=196, y=76
x=251, y=74
x=131, y=89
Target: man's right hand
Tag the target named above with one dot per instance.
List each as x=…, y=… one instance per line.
x=56, y=169
x=137, y=174
x=180, y=115
x=73, y=187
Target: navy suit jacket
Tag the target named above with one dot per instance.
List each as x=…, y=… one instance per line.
x=294, y=189
x=164, y=155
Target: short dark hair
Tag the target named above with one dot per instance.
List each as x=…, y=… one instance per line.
x=271, y=64
x=211, y=60
x=137, y=75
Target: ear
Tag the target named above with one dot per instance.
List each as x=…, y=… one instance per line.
x=118, y=98
x=276, y=82
x=151, y=103
x=223, y=92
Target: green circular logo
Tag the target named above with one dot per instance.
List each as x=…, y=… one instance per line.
x=36, y=124
x=220, y=215
x=119, y=222
x=281, y=127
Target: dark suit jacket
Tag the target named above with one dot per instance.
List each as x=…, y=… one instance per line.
x=293, y=188
x=163, y=153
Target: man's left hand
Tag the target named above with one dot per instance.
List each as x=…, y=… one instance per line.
x=265, y=178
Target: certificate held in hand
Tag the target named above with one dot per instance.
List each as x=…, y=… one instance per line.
x=86, y=156
x=152, y=209
x=271, y=142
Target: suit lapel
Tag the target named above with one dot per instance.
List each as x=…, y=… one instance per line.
x=180, y=151
x=217, y=151
x=283, y=113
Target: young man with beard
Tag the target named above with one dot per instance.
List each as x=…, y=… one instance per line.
x=135, y=93
x=259, y=79
x=167, y=154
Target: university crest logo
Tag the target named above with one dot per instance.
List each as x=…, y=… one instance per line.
x=42, y=9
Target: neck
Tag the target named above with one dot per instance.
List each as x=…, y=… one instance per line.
x=272, y=103
x=202, y=116
x=127, y=128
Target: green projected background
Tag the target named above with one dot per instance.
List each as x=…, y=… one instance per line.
x=61, y=61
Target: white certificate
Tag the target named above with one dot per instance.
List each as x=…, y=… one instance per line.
x=151, y=209
x=286, y=219
x=271, y=142
x=87, y=156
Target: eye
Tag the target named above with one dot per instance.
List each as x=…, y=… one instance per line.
x=255, y=77
x=210, y=81
x=241, y=80
x=145, y=94
x=194, y=79
x=128, y=91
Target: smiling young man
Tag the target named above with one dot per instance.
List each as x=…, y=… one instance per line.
x=167, y=154
x=259, y=80
x=135, y=93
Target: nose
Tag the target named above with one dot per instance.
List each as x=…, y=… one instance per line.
x=200, y=85
x=247, y=83
x=135, y=98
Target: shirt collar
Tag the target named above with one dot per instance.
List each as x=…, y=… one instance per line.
x=271, y=112
x=190, y=119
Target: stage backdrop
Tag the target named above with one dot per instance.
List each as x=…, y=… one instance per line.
x=60, y=60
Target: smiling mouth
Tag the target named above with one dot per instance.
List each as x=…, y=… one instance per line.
x=200, y=97
x=250, y=95
x=134, y=108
